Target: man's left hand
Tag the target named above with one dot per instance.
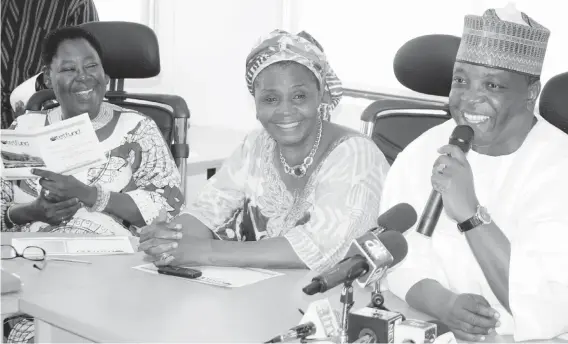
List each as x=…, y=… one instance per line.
x=453, y=179
x=62, y=187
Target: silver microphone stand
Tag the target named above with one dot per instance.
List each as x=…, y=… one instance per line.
x=347, y=301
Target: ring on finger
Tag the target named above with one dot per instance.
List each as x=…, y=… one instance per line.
x=440, y=168
x=164, y=256
x=46, y=193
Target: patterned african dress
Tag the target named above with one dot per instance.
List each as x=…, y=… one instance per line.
x=138, y=163
x=247, y=200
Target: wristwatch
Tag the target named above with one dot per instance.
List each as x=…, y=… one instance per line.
x=481, y=217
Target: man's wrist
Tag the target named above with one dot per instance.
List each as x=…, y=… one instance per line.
x=468, y=214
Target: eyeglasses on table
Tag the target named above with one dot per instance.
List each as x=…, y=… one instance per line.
x=33, y=253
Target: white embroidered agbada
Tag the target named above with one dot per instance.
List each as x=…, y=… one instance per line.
x=526, y=194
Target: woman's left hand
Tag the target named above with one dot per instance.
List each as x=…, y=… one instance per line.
x=160, y=241
x=164, y=244
x=62, y=187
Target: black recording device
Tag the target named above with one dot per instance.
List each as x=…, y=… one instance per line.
x=179, y=271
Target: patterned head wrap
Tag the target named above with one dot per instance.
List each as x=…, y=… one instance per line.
x=303, y=49
x=504, y=42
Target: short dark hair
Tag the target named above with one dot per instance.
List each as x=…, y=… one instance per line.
x=52, y=41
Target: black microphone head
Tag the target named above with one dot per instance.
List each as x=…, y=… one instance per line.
x=462, y=136
x=398, y=218
x=313, y=288
x=396, y=244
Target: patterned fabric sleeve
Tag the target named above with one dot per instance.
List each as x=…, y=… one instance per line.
x=156, y=176
x=82, y=11
x=7, y=199
x=222, y=199
x=7, y=185
x=346, y=203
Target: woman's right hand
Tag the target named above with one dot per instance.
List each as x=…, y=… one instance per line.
x=470, y=317
x=53, y=211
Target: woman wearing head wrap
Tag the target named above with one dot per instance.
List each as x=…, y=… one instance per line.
x=295, y=193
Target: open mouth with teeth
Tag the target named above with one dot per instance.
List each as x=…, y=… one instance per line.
x=288, y=125
x=84, y=94
x=474, y=118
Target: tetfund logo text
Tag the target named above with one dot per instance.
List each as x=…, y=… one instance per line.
x=65, y=135
x=15, y=143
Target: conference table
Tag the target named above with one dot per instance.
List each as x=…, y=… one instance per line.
x=109, y=301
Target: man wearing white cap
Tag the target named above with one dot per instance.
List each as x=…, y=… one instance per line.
x=497, y=262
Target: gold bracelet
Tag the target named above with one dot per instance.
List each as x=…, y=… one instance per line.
x=10, y=222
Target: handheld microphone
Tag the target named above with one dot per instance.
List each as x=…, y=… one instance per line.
x=462, y=136
x=297, y=332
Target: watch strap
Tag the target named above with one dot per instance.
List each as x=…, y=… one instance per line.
x=470, y=223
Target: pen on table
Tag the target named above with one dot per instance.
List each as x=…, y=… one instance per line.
x=69, y=260
x=301, y=311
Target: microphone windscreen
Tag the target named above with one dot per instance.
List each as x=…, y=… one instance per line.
x=396, y=244
x=398, y=218
x=462, y=137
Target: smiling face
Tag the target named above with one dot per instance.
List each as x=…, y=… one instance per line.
x=287, y=98
x=496, y=104
x=77, y=77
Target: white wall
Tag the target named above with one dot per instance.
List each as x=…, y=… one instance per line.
x=362, y=37
x=204, y=43
x=203, y=47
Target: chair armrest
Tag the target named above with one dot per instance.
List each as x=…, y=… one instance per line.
x=177, y=103
x=370, y=113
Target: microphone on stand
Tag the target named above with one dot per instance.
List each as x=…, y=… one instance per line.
x=370, y=255
x=326, y=320
x=398, y=218
x=297, y=332
x=462, y=136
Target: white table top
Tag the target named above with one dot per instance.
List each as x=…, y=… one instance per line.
x=108, y=301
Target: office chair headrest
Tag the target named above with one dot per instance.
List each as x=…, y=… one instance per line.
x=130, y=50
x=425, y=64
x=553, y=105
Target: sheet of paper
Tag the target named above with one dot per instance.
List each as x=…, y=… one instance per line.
x=65, y=147
x=90, y=246
x=222, y=276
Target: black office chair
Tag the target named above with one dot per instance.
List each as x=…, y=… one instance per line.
x=131, y=51
x=425, y=65
x=553, y=105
